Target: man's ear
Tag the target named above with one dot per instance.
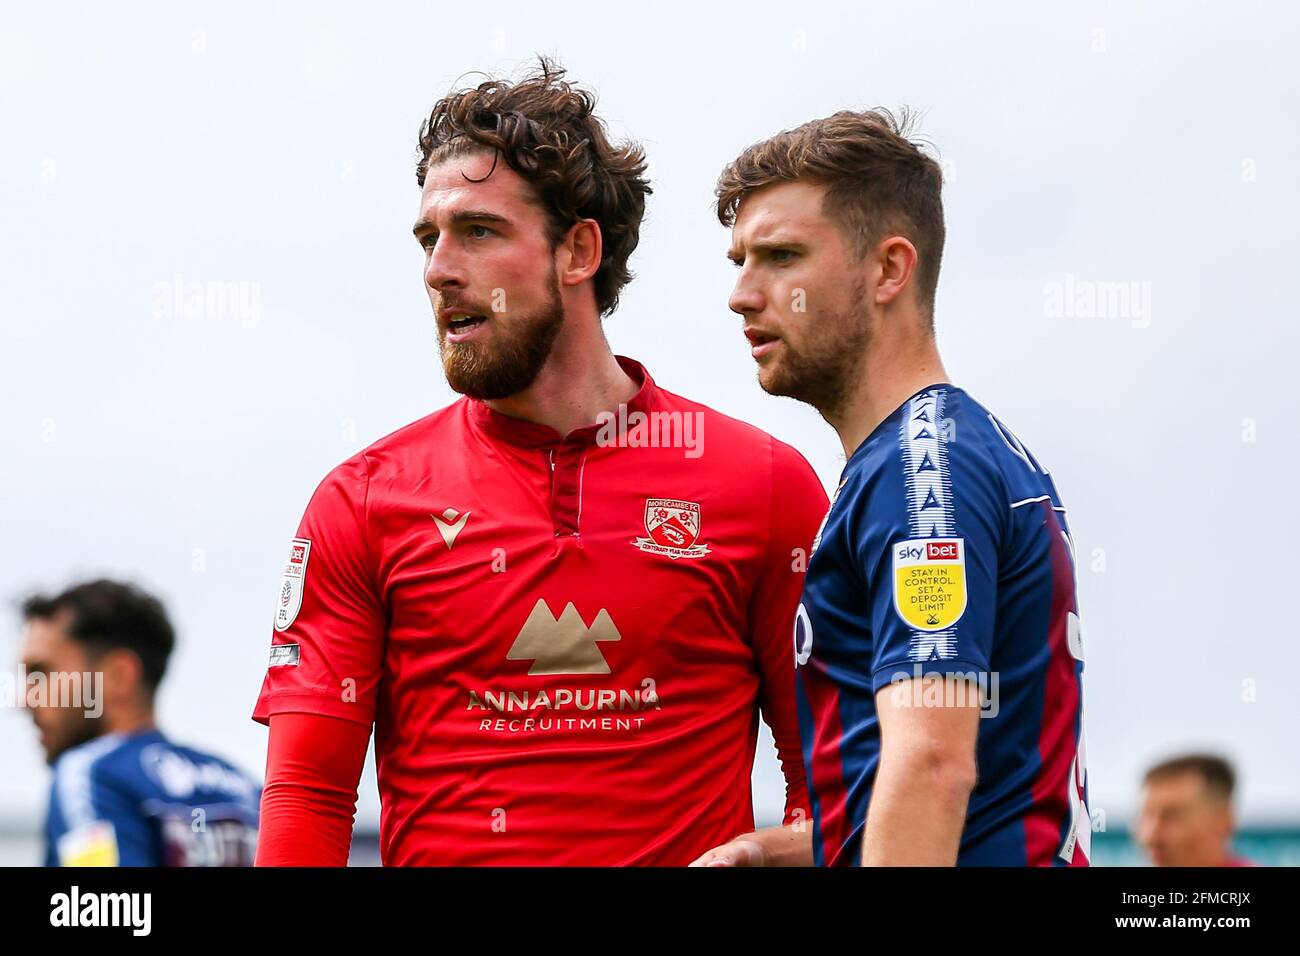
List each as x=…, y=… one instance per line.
x=122, y=669
x=1228, y=822
x=895, y=259
x=580, y=252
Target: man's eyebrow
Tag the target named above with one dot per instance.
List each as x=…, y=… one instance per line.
x=777, y=242
x=426, y=225
x=766, y=245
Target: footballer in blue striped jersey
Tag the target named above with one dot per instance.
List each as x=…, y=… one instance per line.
x=939, y=661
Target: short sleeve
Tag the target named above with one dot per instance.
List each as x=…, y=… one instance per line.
x=930, y=556
x=327, y=641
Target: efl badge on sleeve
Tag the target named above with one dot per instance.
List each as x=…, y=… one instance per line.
x=289, y=601
x=930, y=582
x=673, y=527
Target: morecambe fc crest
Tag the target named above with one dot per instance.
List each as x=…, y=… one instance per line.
x=673, y=528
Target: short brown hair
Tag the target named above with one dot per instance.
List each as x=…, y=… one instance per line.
x=878, y=182
x=546, y=131
x=1215, y=771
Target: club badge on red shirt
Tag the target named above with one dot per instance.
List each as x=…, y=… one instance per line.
x=673, y=528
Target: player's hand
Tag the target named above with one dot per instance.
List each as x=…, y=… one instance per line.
x=739, y=852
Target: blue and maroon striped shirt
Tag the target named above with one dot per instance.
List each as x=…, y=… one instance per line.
x=946, y=551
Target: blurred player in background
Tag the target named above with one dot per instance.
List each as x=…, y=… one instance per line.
x=561, y=601
x=1187, y=817
x=123, y=794
x=941, y=589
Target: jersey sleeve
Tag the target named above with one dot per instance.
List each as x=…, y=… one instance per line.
x=313, y=765
x=102, y=824
x=797, y=505
x=928, y=540
x=327, y=642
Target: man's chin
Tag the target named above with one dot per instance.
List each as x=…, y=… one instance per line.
x=484, y=381
x=770, y=385
x=484, y=392
x=820, y=390
x=773, y=380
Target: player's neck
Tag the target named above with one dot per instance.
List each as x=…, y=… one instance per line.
x=128, y=720
x=891, y=372
x=580, y=379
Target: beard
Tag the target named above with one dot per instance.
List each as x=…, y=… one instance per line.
x=509, y=360
x=83, y=730
x=823, y=369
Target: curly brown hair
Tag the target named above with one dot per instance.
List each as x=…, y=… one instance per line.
x=546, y=131
x=878, y=182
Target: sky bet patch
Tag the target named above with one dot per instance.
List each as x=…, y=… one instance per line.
x=930, y=582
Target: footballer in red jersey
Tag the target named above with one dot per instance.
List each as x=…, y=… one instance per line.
x=563, y=601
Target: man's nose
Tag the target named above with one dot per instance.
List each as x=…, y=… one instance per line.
x=745, y=298
x=443, y=270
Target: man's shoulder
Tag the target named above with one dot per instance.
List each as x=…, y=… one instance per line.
x=448, y=421
x=938, y=427
x=445, y=425
x=984, y=451
x=183, y=771
x=82, y=772
x=90, y=755
x=740, y=443
x=941, y=448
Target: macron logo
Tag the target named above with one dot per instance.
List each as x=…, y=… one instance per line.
x=449, y=523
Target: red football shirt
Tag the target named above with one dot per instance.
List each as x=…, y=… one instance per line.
x=563, y=642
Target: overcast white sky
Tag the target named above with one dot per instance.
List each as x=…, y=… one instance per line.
x=1150, y=143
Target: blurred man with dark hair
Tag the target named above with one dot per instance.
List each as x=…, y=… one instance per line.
x=1187, y=817
x=123, y=794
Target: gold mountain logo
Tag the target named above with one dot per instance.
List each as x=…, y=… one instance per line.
x=563, y=646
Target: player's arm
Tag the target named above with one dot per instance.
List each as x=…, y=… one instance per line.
x=321, y=685
x=313, y=766
x=932, y=602
x=797, y=506
x=928, y=729
x=104, y=825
